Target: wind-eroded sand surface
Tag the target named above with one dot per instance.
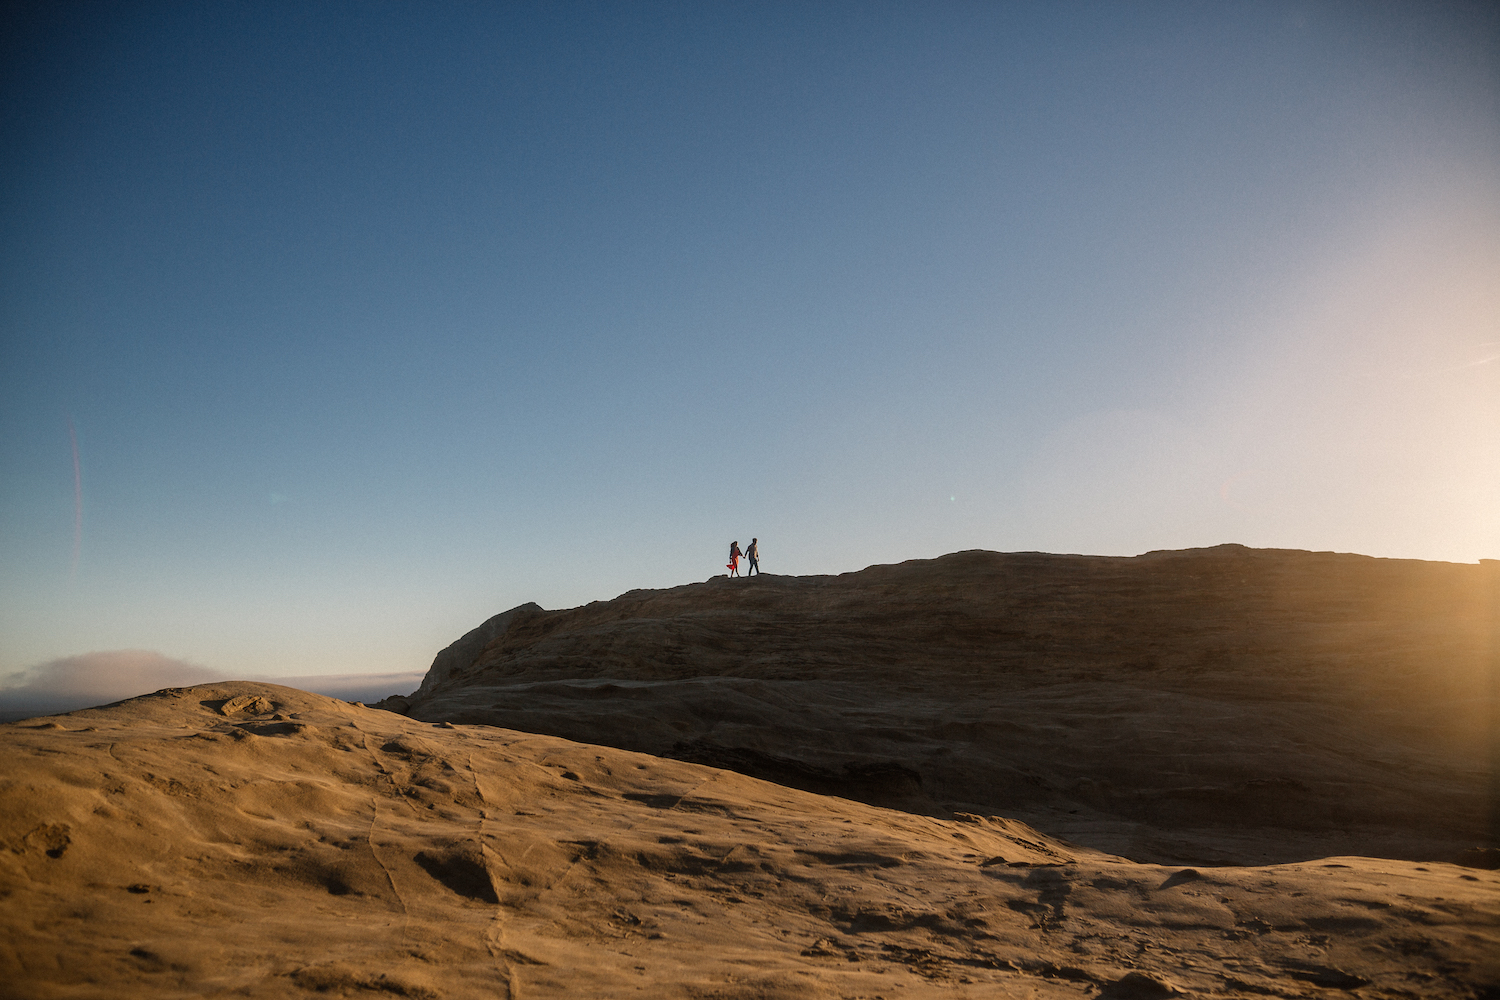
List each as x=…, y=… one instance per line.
x=251, y=840
x=1208, y=706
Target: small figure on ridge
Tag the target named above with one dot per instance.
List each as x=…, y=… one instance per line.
x=734, y=558
x=753, y=554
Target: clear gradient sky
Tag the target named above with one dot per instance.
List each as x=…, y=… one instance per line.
x=372, y=320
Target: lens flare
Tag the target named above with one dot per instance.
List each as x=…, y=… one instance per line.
x=77, y=502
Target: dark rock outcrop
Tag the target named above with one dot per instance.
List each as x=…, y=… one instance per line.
x=1203, y=706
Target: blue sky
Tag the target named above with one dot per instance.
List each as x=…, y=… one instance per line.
x=372, y=320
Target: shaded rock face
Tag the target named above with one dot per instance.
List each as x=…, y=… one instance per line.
x=450, y=662
x=1223, y=705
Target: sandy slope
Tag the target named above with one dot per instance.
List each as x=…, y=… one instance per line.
x=1205, y=706
x=251, y=840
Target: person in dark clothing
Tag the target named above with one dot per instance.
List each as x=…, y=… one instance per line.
x=734, y=558
x=753, y=554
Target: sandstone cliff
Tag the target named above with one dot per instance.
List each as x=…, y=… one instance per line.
x=1202, y=706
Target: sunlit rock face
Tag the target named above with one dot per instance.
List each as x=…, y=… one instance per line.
x=249, y=840
x=1222, y=705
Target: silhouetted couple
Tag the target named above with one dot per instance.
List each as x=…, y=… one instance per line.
x=752, y=553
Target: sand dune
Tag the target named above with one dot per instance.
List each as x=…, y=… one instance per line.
x=252, y=840
x=1210, y=706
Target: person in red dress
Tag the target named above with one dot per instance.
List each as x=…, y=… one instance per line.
x=734, y=558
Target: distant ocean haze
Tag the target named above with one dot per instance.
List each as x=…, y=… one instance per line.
x=100, y=678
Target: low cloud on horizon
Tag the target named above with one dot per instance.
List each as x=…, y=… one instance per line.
x=107, y=676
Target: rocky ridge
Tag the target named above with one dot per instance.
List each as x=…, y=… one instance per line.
x=1208, y=706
